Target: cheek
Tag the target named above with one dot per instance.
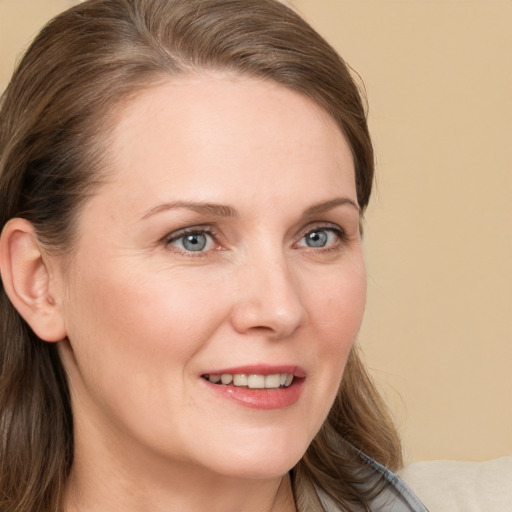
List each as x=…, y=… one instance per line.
x=179, y=310
x=337, y=306
x=143, y=324
x=335, y=314
x=134, y=340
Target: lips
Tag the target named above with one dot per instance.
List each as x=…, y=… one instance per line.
x=260, y=387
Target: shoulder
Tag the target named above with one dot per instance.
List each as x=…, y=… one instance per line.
x=396, y=496
x=389, y=493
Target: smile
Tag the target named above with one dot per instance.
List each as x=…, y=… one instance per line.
x=252, y=381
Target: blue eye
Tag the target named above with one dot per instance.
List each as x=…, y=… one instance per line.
x=320, y=238
x=316, y=239
x=195, y=241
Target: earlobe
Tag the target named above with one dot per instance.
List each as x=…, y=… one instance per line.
x=27, y=280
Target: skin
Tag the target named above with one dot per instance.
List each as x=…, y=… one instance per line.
x=145, y=318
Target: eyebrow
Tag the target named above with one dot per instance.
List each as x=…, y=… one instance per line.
x=217, y=210
x=220, y=210
x=329, y=205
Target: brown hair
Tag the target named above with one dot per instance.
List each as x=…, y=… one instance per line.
x=54, y=121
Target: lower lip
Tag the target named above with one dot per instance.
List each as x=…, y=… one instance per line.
x=266, y=399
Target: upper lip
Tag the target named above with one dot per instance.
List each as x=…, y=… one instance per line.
x=260, y=369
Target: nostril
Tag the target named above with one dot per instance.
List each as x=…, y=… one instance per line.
x=269, y=303
x=261, y=329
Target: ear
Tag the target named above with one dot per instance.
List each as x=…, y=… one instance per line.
x=28, y=281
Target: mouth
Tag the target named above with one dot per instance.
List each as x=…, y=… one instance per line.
x=258, y=387
x=251, y=380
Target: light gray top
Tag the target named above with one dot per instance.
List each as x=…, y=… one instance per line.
x=395, y=497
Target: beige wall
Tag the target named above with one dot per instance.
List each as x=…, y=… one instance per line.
x=20, y=20
x=438, y=331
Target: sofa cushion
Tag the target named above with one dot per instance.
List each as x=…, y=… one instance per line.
x=460, y=486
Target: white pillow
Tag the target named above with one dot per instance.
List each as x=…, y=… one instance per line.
x=456, y=486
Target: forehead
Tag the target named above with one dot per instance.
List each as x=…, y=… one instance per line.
x=231, y=132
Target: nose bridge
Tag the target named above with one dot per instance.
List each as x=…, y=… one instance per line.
x=269, y=296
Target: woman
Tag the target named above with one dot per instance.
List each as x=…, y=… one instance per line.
x=182, y=185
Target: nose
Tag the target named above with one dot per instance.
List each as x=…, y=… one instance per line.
x=269, y=301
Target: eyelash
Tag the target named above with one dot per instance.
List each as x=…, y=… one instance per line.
x=214, y=234
x=336, y=230
x=195, y=230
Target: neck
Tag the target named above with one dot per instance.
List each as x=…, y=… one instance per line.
x=99, y=483
x=218, y=496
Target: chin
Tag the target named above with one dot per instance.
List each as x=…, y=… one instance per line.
x=259, y=469
x=264, y=458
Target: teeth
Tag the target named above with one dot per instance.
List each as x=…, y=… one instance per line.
x=240, y=379
x=253, y=381
x=226, y=378
x=256, y=381
x=272, y=381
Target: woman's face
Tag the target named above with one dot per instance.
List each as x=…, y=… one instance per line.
x=226, y=243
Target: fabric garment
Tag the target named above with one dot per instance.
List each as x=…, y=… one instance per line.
x=396, y=496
